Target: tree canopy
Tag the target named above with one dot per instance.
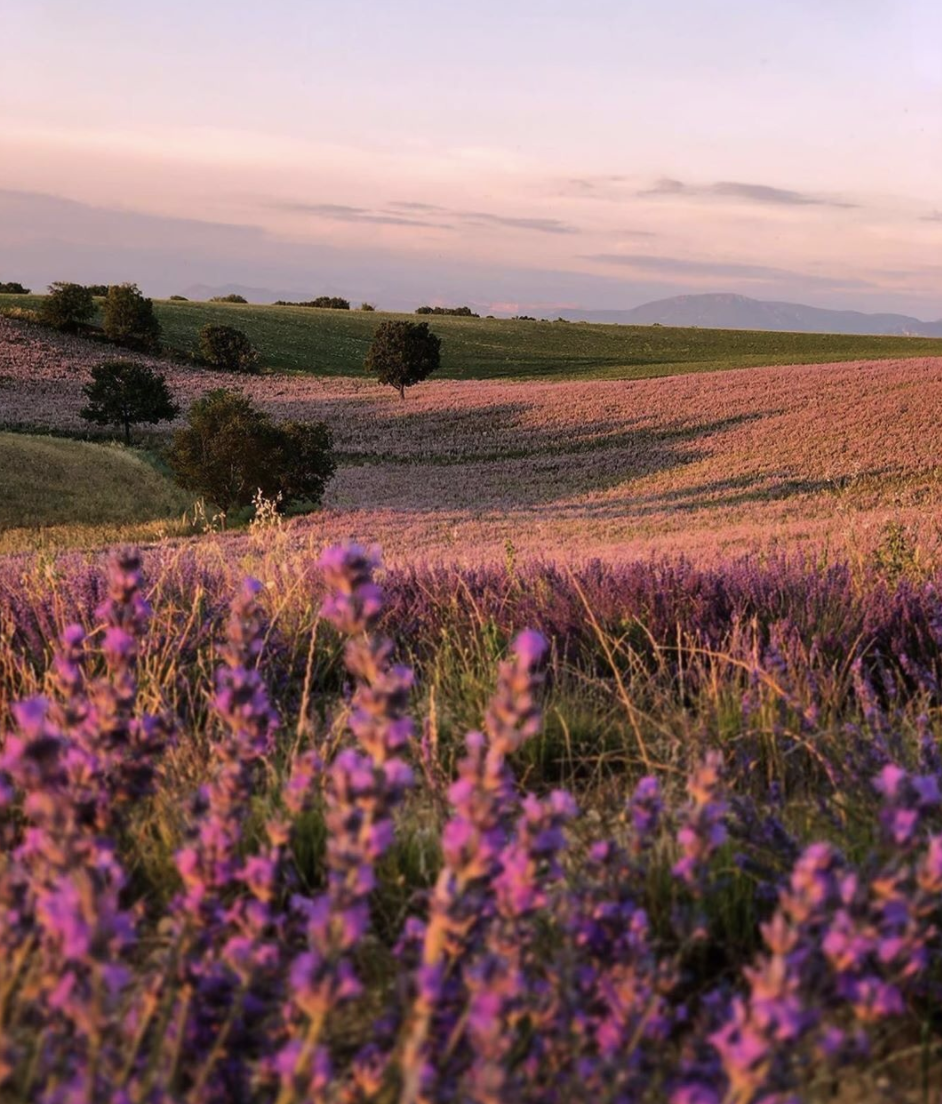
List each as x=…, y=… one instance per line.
x=403, y=354
x=123, y=393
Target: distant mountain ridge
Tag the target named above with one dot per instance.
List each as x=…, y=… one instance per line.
x=738, y=312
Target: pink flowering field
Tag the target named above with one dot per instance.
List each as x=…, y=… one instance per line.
x=715, y=463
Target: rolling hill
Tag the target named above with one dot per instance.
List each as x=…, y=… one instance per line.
x=74, y=493
x=826, y=454
x=334, y=343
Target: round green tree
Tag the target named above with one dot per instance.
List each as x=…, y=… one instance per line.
x=67, y=306
x=229, y=450
x=227, y=348
x=129, y=318
x=403, y=353
x=123, y=393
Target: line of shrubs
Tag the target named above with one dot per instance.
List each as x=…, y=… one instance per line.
x=13, y=288
x=459, y=312
x=323, y=302
x=129, y=320
x=128, y=317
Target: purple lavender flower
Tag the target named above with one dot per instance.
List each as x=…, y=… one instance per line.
x=703, y=828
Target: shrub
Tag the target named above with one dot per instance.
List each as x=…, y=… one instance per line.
x=897, y=554
x=233, y=298
x=123, y=393
x=13, y=288
x=230, y=450
x=67, y=306
x=227, y=348
x=403, y=353
x=307, y=463
x=179, y=299
x=129, y=318
x=99, y=291
x=20, y=314
x=367, y=307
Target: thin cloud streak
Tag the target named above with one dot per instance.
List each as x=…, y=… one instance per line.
x=413, y=205
x=338, y=212
x=753, y=193
x=541, y=225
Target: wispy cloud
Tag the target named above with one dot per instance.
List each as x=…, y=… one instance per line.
x=752, y=193
x=541, y=225
x=413, y=205
x=933, y=216
x=339, y=212
x=591, y=187
x=413, y=212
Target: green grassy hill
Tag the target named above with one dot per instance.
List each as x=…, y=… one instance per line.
x=73, y=493
x=334, y=343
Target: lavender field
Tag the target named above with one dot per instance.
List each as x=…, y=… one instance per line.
x=656, y=832
x=711, y=464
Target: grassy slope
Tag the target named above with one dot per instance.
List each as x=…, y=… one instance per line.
x=333, y=343
x=76, y=493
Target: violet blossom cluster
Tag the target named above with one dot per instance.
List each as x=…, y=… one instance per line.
x=548, y=960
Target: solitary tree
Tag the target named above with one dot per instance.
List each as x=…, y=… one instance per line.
x=403, y=353
x=67, y=306
x=227, y=348
x=230, y=449
x=124, y=394
x=130, y=319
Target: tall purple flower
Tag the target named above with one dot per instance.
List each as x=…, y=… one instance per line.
x=363, y=789
x=703, y=824
x=462, y=900
x=74, y=764
x=225, y=929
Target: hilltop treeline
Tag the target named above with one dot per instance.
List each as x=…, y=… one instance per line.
x=462, y=312
x=324, y=302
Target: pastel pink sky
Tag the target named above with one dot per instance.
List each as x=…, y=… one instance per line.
x=515, y=153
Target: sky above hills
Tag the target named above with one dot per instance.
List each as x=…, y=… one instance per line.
x=517, y=155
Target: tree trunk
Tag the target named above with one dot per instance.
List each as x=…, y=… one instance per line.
x=402, y=390
x=127, y=432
